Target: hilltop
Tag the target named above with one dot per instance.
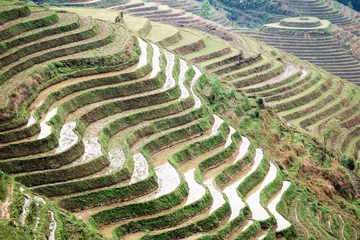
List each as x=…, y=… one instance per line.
x=158, y=124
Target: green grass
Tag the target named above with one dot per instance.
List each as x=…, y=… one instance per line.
x=212, y=45
x=187, y=39
x=161, y=31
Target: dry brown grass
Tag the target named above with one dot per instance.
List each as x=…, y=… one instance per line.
x=299, y=149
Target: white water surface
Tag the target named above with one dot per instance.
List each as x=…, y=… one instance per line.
x=117, y=159
x=198, y=74
x=183, y=69
x=217, y=123
x=155, y=61
x=236, y=203
x=45, y=129
x=244, y=147
x=258, y=211
x=32, y=119
x=67, y=137
x=170, y=81
x=196, y=191
x=168, y=179
x=141, y=168
x=229, y=140
x=143, y=57
x=218, y=198
x=282, y=223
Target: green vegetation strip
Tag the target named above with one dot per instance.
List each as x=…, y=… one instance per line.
x=229, y=228
x=231, y=171
x=12, y=14
x=47, y=44
x=168, y=220
x=255, y=178
x=54, y=73
x=204, y=225
x=21, y=27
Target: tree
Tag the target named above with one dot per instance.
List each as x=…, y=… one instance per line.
x=205, y=9
x=331, y=132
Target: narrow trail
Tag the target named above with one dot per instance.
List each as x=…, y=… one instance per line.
x=4, y=209
x=25, y=208
x=343, y=226
x=356, y=234
x=297, y=218
x=329, y=222
x=290, y=69
x=52, y=226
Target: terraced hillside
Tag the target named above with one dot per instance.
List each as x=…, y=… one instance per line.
x=318, y=48
x=125, y=131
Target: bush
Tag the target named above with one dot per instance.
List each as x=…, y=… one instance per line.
x=348, y=162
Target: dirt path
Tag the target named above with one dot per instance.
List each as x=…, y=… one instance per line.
x=25, y=208
x=4, y=209
x=52, y=226
x=356, y=233
x=329, y=223
x=290, y=69
x=297, y=219
x=343, y=226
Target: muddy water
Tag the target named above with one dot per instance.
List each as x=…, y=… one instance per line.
x=168, y=179
x=216, y=126
x=282, y=223
x=196, y=191
x=244, y=147
x=32, y=119
x=52, y=226
x=218, y=199
x=155, y=61
x=193, y=82
x=236, y=202
x=45, y=129
x=25, y=208
x=67, y=137
x=170, y=81
x=143, y=57
x=141, y=168
x=253, y=198
x=183, y=69
x=229, y=140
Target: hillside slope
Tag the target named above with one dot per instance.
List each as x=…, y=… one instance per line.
x=147, y=135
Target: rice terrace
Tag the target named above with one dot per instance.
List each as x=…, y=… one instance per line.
x=187, y=119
